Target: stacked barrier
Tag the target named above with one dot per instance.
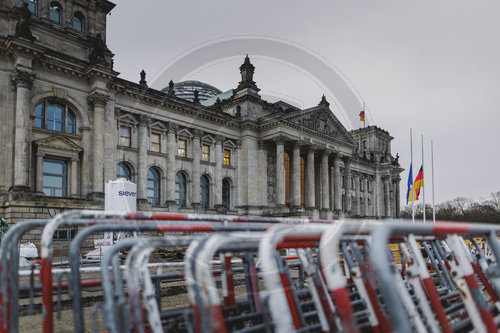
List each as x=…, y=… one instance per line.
x=352, y=276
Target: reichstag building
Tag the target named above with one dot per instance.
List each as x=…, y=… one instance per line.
x=69, y=124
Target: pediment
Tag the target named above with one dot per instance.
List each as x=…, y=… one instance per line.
x=323, y=121
x=58, y=142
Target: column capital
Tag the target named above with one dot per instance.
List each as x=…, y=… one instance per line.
x=280, y=139
x=173, y=127
x=144, y=120
x=261, y=144
x=40, y=154
x=198, y=133
x=238, y=144
x=75, y=159
x=298, y=144
x=98, y=99
x=219, y=139
x=22, y=78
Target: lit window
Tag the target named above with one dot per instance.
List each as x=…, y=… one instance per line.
x=153, y=187
x=205, y=152
x=123, y=171
x=78, y=22
x=32, y=6
x=182, y=148
x=54, y=177
x=55, y=117
x=155, y=142
x=227, y=157
x=56, y=12
x=125, y=134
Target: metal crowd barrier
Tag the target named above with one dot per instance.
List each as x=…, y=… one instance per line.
x=239, y=275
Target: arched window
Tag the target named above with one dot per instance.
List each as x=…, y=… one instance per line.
x=123, y=171
x=79, y=22
x=226, y=193
x=153, y=190
x=55, y=116
x=32, y=6
x=56, y=12
x=180, y=189
x=204, y=192
x=287, y=177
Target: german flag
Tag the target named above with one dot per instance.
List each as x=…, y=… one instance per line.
x=362, y=116
x=419, y=182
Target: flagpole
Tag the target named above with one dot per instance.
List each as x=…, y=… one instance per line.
x=411, y=190
x=423, y=175
x=432, y=166
x=364, y=112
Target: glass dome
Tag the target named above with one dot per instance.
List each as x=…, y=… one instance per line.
x=185, y=90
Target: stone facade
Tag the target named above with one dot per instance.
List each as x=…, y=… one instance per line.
x=68, y=120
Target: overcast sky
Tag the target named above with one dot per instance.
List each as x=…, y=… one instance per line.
x=430, y=65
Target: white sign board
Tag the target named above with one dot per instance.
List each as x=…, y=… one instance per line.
x=120, y=196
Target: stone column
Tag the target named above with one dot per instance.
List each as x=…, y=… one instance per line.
x=310, y=195
x=219, y=158
x=171, y=167
x=378, y=202
x=337, y=183
x=74, y=177
x=280, y=171
x=398, y=202
x=347, y=174
x=357, y=203
x=387, y=196
x=39, y=172
x=23, y=81
x=262, y=151
x=367, y=208
x=142, y=158
x=195, y=198
x=296, y=176
x=43, y=7
x=98, y=102
x=325, y=195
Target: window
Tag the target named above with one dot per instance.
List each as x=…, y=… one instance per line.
x=205, y=153
x=204, y=192
x=182, y=148
x=32, y=6
x=153, y=187
x=180, y=189
x=55, y=117
x=65, y=234
x=54, y=177
x=226, y=193
x=78, y=22
x=227, y=157
x=156, y=142
x=125, y=135
x=123, y=171
x=55, y=12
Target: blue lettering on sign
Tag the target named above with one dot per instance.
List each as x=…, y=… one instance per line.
x=126, y=194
